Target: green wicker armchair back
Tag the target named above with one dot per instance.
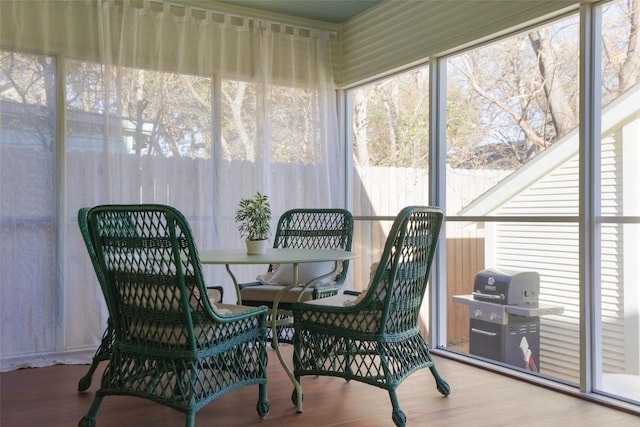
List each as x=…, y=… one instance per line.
x=106, y=344
x=305, y=228
x=317, y=229
x=375, y=338
x=170, y=344
x=104, y=350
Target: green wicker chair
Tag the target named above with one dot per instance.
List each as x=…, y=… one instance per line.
x=106, y=344
x=305, y=229
x=375, y=337
x=171, y=345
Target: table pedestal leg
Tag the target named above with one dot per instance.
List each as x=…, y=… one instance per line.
x=235, y=284
x=276, y=346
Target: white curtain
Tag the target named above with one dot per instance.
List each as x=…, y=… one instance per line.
x=145, y=102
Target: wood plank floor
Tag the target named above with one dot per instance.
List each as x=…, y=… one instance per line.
x=47, y=397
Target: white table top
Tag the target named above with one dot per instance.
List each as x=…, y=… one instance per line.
x=274, y=256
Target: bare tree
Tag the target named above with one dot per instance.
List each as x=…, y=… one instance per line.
x=360, y=146
x=28, y=87
x=391, y=121
x=506, y=101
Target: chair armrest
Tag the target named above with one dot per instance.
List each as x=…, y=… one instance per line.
x=352, y=293
x=326, y=290
x=244, y=285
x=215, y=293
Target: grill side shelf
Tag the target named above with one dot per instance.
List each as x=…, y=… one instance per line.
x=534, y=310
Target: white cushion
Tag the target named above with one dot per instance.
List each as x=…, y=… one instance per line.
x=355, y=300
x=363, y=321
x=363, y=293
x=282, y=274
x=268, y=293
x=335, y=300
x=214, y=295
x=220, y=309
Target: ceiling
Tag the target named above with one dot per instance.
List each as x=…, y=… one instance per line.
x=333, y=11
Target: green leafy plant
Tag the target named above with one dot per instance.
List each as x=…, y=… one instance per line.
x=253, y=216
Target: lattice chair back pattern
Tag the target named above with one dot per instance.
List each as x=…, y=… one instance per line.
x=103, y=351
x=303, y=228
x=375, y=337
x=171, y=344
x=317, y=229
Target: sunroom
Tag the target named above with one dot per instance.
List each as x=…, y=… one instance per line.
x=520, y=119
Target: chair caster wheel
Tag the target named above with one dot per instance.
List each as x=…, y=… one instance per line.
x=399, y=418
x=443, y=388
x=84, y=384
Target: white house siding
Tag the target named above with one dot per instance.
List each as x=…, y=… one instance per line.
x=613, y=317
x=552, y=250
x=548, y=186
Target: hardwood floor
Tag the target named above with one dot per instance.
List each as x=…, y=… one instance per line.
x=47, y=397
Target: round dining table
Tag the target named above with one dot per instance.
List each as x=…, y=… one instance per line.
x=294, y=256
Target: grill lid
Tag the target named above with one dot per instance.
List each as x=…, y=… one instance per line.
x=507, y=287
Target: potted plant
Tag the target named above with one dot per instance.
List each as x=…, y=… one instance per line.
x=253, y=217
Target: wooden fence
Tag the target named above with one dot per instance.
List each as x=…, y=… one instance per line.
x=376, y=192
x=385, y=191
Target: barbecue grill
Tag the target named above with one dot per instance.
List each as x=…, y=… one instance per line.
x=504, y=317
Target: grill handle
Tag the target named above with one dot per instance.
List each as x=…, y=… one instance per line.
x=478, y=294
x=481, y=332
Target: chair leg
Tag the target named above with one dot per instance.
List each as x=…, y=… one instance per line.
x=102, y=353
x=398, y=417
x=264, y=406
x=191, y=419
x=89, y=420
x=85, y=382
x=441, y=384
x=347, y=361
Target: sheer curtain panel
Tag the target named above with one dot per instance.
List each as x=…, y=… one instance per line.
x=145, y=102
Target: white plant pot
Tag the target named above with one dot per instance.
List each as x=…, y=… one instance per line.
x=255, y=247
